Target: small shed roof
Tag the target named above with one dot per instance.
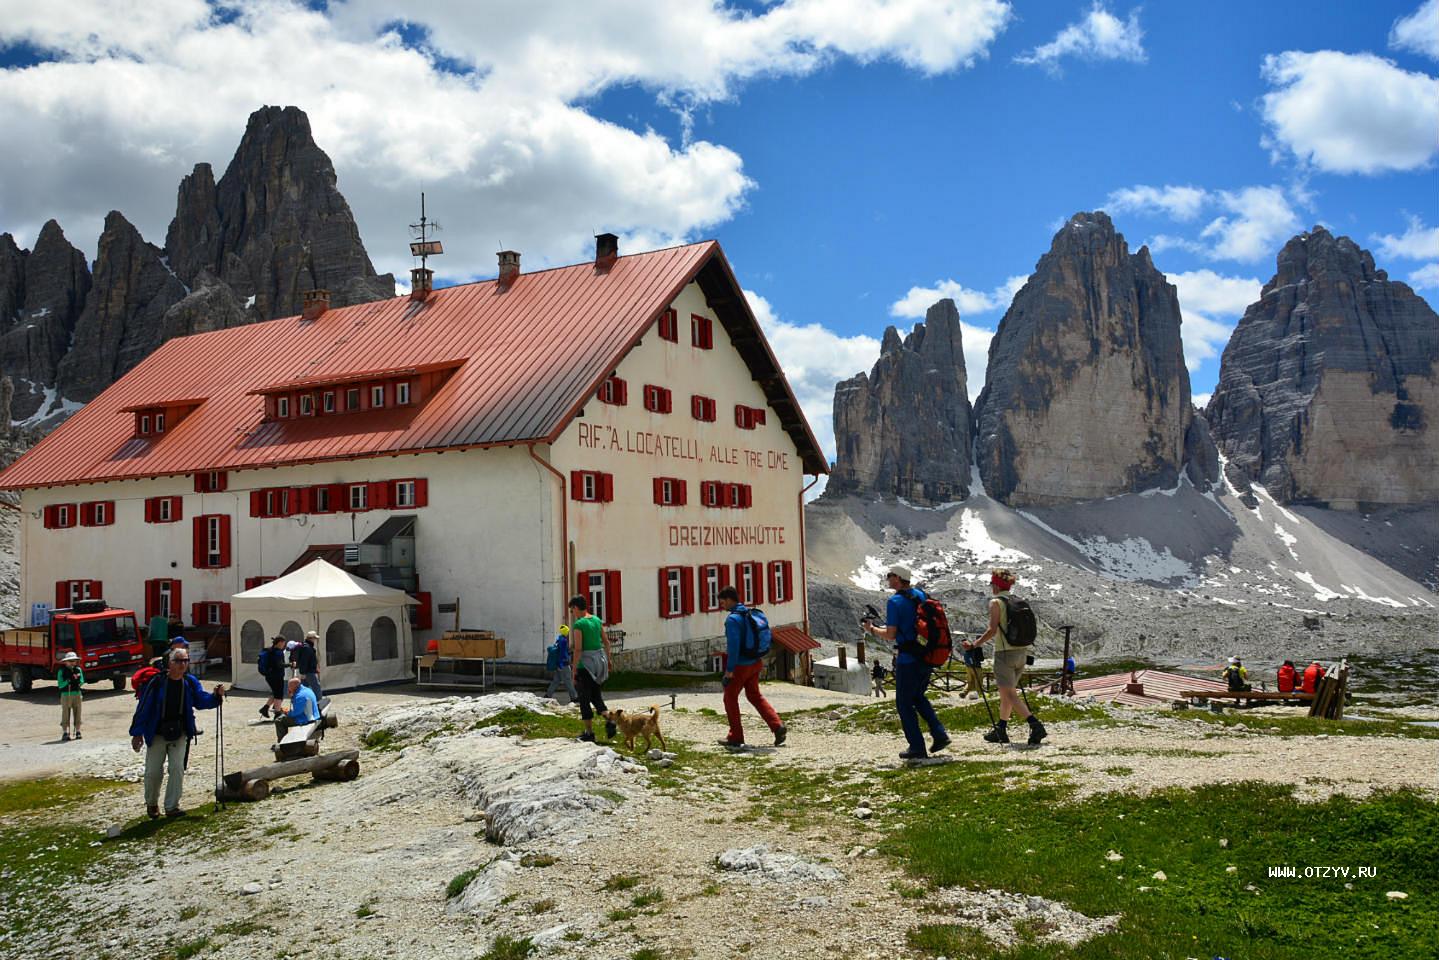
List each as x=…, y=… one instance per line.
x=1143, y=688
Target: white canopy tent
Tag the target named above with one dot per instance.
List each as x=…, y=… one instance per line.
x=364, y=627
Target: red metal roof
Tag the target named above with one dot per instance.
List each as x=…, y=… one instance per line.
x=533, y=353
x=1142, y=688
x=794, y=639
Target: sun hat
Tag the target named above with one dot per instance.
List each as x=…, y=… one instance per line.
x=311, y=635
x=69, y=656
x=901, y=571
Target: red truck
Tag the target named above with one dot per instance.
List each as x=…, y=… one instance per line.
x=105, y=638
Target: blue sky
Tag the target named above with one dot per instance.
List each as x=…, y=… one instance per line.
x=857, y=159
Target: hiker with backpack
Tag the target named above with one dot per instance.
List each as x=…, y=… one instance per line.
x=164, y=725
x=271, y=665
x=557, y=661
x=914, y=660
x=747, y=640
x=1013, y=628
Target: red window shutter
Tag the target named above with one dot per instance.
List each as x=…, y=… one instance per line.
x=339, y=497
x=200, y=483
x=789, y=579
x=770, y=578
x=177, y=508
x=697, y=407
x=50, y=517
x=175, y=596
x=424, y=614
x=150, y=603
x=582, y=579
x=577, y=485
x=149, y=509
x=748, y=500
x=251, y=583
x=225, y=540
x=109, y=512
x=198, y=544
x=97, y=589
x=606, y=487
x=380, y=496
x=62, y=594
x=701, y=577
x=759, y=415
x=665, y=594
x=197, y=613
x=687, y=589
x=224, y=614
x=681, y=495
x=612, y=596
x=257, y=503
x=659, y=484
x=87, y=515
x=422, y=492
x=669, y=398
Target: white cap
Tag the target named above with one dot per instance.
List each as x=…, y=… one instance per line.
x=70, y=655
x=1233, y=659
x=901, y=571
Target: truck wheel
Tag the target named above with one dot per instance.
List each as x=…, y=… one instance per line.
x=119, y=682
x=20, y=679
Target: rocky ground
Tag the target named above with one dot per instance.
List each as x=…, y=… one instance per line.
x=588, y=851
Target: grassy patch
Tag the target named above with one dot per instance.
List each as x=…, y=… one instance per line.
x=383, y=739
x=621, y=881
x=648, y=898
x=1307, y=726
x=509, y=948
x=243, y=928
x=458, y=883
x=646, y=953
x=881, y=718
x=519, y=722
x=31, y=796
x=1119, y=771
x=189, y=913
x=537, y=860
x=364, y=910
x=620, y=915
x=191, y=948
x=613, y=796
x=542, y=906
x=1202, y=909
x=947, y=940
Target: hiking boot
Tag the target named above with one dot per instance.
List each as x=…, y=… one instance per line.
x=177, y=812
x=914, y=755
x=997, y=735
x=1036, y=731
x=265, y=711
x=64, y=736
x=729, y=744
x=939, y=743
x=152, y=812
x=610, y=729
x=586, y=737
x=780, y=732
x=77, y=734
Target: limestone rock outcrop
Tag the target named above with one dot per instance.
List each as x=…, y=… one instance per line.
x=42, y=292
x=1086, y=393
x=275, y=225
x=1328, y=389
x=903, y=430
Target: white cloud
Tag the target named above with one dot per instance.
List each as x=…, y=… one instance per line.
x=1204, y=296
x=919, y=299
x=814, y=359
x=1200, y=400
x=1100, y=35
x=1419, y=31
x=1180, y=203
x=1426, y=277
x=138, y=92
x=1257, y=221
x=1350, y=113
x=1418, y=242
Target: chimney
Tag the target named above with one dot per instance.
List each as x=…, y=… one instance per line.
x=316, y=303
x=509, y=268
x=607, y=250
x=422, y=281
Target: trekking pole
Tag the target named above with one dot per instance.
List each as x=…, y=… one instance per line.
x=220, y=755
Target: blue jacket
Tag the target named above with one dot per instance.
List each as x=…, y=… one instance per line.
x=736, y=628
x=902, y=613
x=146, y=721
x=303, y=706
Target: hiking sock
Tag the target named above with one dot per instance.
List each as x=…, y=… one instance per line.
x=1036, y=731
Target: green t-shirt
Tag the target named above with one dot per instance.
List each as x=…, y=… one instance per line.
x=592, y=632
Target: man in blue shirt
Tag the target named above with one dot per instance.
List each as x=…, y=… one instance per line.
x=911, y=673
x=742, y=673
x=304, y=708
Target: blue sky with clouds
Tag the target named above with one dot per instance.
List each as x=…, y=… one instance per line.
x=858, y=159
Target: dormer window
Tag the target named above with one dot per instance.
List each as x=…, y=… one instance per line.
x=356, y=392
x=402, y=393
x=329, y=401
x=307, y=404
x=352, y=398
x=159, y=423
x=145, y=425
x=282, y=407
x=377, y=396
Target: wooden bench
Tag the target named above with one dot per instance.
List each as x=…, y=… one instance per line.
x=304, y=739
x=1252, y=696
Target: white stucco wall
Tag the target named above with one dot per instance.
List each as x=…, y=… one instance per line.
x=636, y=536
x=481, y=538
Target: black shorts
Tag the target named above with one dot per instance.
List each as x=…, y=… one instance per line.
x=277, y=686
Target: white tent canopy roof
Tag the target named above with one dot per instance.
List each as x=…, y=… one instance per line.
x=322, y=581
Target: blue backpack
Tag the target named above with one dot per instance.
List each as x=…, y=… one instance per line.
x=757, y=640
x=270, y=661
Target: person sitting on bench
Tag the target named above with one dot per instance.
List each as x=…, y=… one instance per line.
x=304, y=708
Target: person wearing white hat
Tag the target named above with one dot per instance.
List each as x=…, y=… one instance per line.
x=1236, y=676
x=70, y=679
x=911, y=672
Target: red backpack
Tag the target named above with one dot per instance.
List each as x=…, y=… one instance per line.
x=936, y=644
x=141, y=677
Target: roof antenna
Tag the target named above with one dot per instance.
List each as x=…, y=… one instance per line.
x=422, y=277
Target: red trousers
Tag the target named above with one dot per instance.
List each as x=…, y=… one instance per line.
x=747, y=678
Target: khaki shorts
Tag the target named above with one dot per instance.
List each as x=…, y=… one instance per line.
x=1009, y=666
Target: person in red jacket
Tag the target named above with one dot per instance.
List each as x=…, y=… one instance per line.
x=1312, y=675
x=1287, y=676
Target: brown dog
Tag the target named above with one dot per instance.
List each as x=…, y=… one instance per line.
x=633, y=724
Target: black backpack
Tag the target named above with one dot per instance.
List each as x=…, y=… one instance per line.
x=1020, y=626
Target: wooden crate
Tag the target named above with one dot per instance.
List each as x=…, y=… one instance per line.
x=472, y=644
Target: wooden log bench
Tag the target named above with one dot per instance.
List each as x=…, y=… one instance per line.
x=255, y=784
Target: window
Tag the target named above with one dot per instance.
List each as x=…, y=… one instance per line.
x=602, y=589
x=614, y=391
x=307, y=404
x=212, y=482
x=253, y=582
x=162, y=599
x=677, y=595
x=747, y=418
x=212, y=541
x=713, y=493
x=70, y=592
x=592, y=486
x=291, y=630
x=749, y=583
x=273, y=501
x=352, y=398
x=713, y=577
x=210, y=613
x=159, y=423
x=384, y=640
x=738, y=496
x=97, y=513
x=64, y=515
x=404, y=493
x=781, y=581
x=329, y=405
x=657, y=399
x=702, y=408
x=100, y=514
x=252, y=641
x=402, y=393
x=339, y=643
x=282, y=407
x=670, y=491
x=163, y=510
x=359, y=496
x=377, y=396
x=701, y=332
x=320, y=499
x=145, y=423
x=670, y=326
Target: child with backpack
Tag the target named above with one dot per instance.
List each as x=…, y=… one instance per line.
x=747, y=640
x=1013, y=628
x=271, y=665
x=557, y=661
x=919, y=630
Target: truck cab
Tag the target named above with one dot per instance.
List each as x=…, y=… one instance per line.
x=106, y=639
